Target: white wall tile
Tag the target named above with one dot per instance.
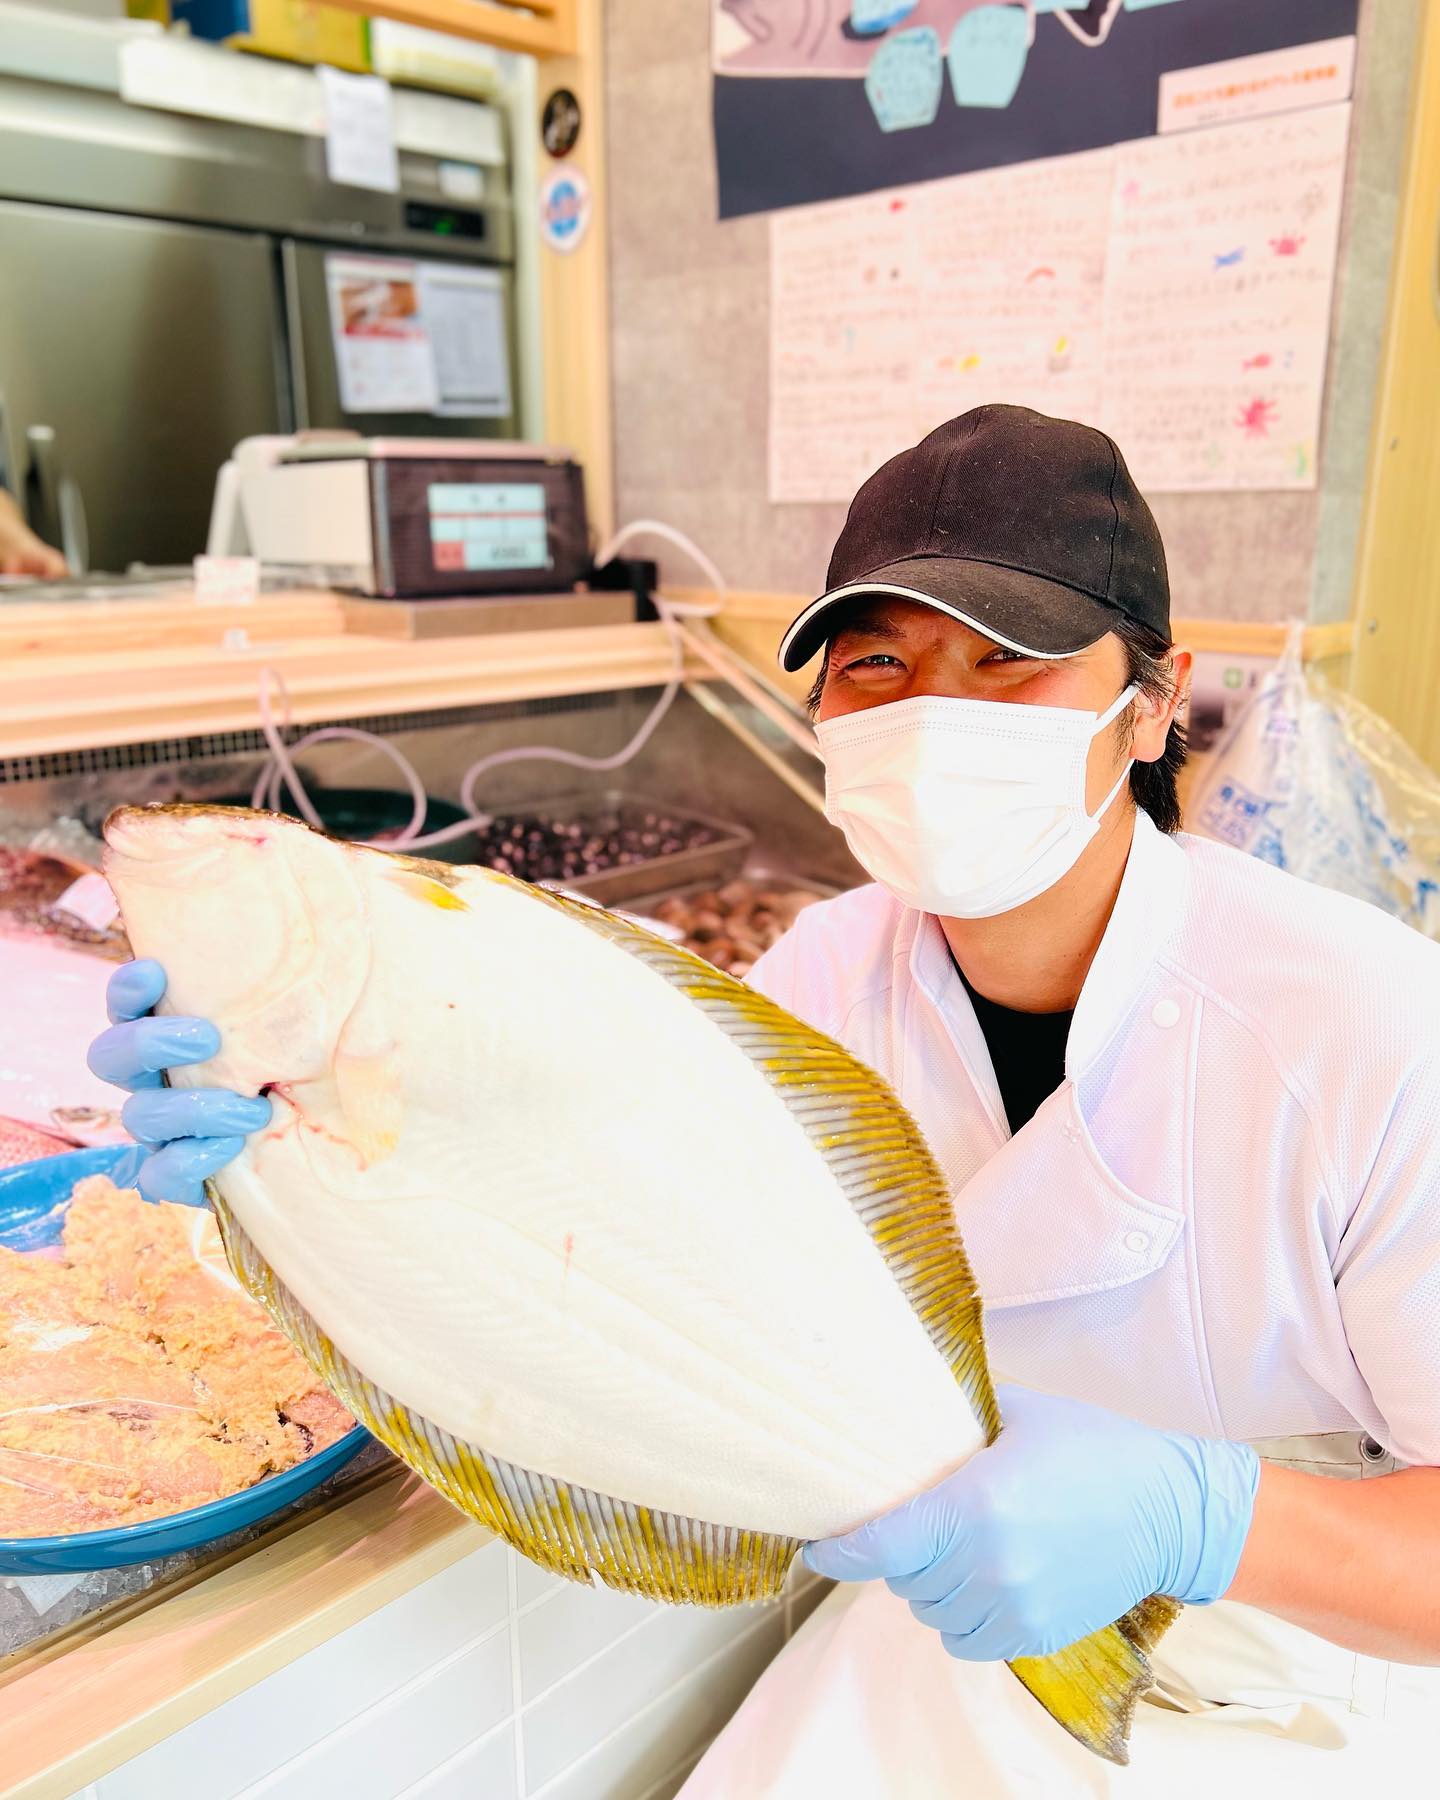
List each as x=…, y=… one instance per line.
x=408, y=1735
x=571, y=1627
x=247, y=1738
x=532, y=1582
x=483, y=1771
x=660, y=1742
x=575, y=1715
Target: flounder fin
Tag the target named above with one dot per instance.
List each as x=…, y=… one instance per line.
x=873, y=1147
x=1092, y=1688
x=571, y=1531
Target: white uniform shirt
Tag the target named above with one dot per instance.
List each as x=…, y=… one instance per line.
x=1227, y=1220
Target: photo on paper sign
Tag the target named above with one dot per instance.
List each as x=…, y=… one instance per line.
x=387, y=307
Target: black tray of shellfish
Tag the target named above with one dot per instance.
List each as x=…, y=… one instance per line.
x=612, y=846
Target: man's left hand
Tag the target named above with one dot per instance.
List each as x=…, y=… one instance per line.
x=21, y=552
x=1071, y=1517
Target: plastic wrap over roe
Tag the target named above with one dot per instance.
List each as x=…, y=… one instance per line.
x=636, y=1268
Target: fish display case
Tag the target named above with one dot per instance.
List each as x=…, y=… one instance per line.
x=367, y=1638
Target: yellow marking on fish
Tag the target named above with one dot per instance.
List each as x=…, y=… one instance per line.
x=428, y=889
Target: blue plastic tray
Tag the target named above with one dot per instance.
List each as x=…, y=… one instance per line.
x=33, y=1198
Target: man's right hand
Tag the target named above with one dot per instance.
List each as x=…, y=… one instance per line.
x=188, y=1133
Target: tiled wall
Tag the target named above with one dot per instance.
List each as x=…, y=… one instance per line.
x=489, y=1682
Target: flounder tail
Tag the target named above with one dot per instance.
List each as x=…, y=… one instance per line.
x=1092, y=1688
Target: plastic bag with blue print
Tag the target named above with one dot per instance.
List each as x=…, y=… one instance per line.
x=1313, y=781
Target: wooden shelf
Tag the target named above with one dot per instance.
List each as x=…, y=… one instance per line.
x=140, y=680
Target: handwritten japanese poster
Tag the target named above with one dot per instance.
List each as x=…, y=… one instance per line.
x=894, y=312
x=844, y=309
x=1011, y=285
x=1175, y=291
x=1217, y=301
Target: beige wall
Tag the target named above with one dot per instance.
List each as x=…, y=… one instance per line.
x=690, y=308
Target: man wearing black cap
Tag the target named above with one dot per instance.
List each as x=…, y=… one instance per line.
x=1188, y=1107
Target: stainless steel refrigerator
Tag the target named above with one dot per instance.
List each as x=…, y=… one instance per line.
x=167, y=287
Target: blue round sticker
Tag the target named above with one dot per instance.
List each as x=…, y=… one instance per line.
x=564, y=209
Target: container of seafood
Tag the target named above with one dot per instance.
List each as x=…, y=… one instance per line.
x=733, y=923
x=147, y=1404
x=613, y=846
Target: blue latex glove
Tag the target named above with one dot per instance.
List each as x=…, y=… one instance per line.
x=183, y=1136
x=1071, y=1517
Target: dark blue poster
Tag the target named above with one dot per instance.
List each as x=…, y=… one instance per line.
x=819, y=99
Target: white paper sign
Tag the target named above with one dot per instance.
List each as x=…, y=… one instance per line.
x=464, y=313
x=359, y=131
x=382, y=347
x=226, y=580
x=843, y=309
x=419, y=337
x=1012, y=268
x=1217, y=301
x=461, y=181
x=893, y=312
x=1248, y=87
x=1175, y=290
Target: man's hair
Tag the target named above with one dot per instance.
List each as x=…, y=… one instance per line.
x=1153, y=785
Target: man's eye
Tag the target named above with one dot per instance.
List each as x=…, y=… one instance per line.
x=873, y=661
x=1002, y=655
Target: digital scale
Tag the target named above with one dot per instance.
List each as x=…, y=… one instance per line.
x=406, y=518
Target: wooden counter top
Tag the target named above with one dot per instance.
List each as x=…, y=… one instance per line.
x=84, y=674
x=96, y=1695
x=81, y=675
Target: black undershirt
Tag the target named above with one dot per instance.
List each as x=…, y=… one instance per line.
x=1027, y=1049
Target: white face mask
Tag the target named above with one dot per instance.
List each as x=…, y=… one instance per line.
x=965, y=808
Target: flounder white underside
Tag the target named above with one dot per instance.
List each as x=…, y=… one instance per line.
x=575, y=1197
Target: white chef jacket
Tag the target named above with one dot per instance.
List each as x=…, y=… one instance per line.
x=1226, y=1221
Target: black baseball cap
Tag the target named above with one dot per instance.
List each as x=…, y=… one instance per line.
x=1027, y=528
